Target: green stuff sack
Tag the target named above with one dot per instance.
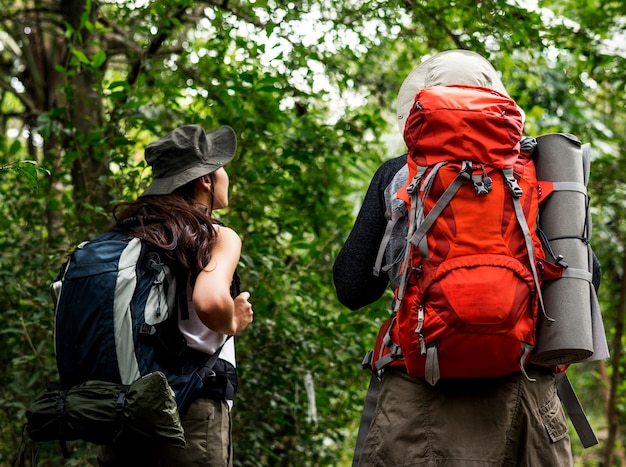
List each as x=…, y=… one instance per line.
x=104, y=413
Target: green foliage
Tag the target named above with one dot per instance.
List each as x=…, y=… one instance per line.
x=29, y=170
x=26, y=317
x=309, y=88
x=301, y=326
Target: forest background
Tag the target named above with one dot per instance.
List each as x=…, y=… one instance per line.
x=310, y=89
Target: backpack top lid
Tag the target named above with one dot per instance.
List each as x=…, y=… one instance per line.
x=443, y=69
x=459, y=122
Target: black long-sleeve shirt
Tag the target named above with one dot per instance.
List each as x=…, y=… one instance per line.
x=355, y=281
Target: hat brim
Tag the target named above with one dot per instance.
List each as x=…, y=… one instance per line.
x=446, y=68
x=224, y=145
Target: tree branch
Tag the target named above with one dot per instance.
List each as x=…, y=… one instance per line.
x=224, y=5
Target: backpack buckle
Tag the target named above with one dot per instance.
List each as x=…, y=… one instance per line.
x=516, y=190
x=467, y=170
x=366, y=364
x=482, y=182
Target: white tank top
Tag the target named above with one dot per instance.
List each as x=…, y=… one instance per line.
x=201, y=338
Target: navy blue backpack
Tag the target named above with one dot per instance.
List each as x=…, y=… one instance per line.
x=116, y=318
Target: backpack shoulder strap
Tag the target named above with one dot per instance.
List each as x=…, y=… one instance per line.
x=206, y=368
x=575, y=411
x=369, y=407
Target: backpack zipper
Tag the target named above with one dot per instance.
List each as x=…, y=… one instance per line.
x=418, y=330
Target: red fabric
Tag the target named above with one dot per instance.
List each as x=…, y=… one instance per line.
x=457, y=122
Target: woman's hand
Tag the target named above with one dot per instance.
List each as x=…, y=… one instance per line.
x=243, y=311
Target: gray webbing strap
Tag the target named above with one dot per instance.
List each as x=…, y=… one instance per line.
x=526, y=349
x=432, y=365
x=369, y=407
x=415, y=215
x=419, y=237
x=383, y=246
x=577, y=273
x=516, y=192
x=387, y=359
x=395, y=352
x=570, y=186
x=392, y=214
x=575, y=411
x=416, y=218
x=586, y=150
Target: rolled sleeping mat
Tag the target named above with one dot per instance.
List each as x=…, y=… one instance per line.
x=600, y=344
x=565, y=220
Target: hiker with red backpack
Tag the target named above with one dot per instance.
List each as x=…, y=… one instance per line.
x=452, y=229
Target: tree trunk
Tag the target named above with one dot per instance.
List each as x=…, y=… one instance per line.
x=90, y=164
x=613, y=439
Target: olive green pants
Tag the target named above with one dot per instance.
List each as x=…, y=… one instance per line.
x=207, y=426
x=506, y=421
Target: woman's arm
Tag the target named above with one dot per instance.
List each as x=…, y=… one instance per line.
x=211, y=294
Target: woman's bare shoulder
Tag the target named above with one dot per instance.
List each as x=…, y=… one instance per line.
x=226, y=234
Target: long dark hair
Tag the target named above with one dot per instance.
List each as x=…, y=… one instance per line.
x=181, y=231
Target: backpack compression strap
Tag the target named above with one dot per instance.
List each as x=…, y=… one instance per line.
x=516, y=193
x=395, y=352
x=383, y=246
x=416, y=219
x=419, y=237
x=395, y=210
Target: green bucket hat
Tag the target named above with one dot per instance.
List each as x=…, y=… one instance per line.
x=185, y=154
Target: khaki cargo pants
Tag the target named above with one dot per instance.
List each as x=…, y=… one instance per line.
x=506, y=421
x=207, y=426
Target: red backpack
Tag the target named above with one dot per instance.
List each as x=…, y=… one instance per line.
x=470, y=287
